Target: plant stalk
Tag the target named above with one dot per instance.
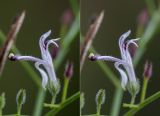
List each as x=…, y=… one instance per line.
x=144, y=89
x=65, y=89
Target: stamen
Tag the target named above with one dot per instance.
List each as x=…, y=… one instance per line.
x=92, y=57
x=12, y=57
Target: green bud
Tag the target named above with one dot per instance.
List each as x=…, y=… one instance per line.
x=51, y=88
x=133, y=88
x=2, y=101
x=82, y=100
x=21, y=97
x=100, y=97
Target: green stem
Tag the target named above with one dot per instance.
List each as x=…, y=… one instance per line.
x=117, y=101
x=19, y=108
x=75, y=6
x=150, y=6
x=143, y=104
x=51, y=105
x=144, y=89
x=98, y=110
x=53, y=98
x=39, y=102
x=133, y=97
x=93, y=115
x=130, y=105
x=71, y=99
x=65, y=89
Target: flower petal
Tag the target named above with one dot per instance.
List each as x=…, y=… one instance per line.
x=43, y=75
x=52, y=41
x=127, y=53
x=123, y=37
x=52, y=75
x=42, y=44
x=122, y=43
x=108, y=58
x=132, y=41
x=124, y=78
x=27, y=58
x=44, y=36
x=47, y=48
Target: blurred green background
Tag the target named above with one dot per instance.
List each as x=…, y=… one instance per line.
x=120, y=16
x=41, y=15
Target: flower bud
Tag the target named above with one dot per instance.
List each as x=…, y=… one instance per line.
x=21, y=97
x=133, y=88
x=68, y=70
x=51, y=88
x=143, y=17
x=67, y=17
x=100, y=97
x=147, y=70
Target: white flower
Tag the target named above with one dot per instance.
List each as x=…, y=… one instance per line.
x=123, y=65
x=47, y=72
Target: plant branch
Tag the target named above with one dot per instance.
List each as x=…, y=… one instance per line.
x=143, y=104
x=68, y=101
